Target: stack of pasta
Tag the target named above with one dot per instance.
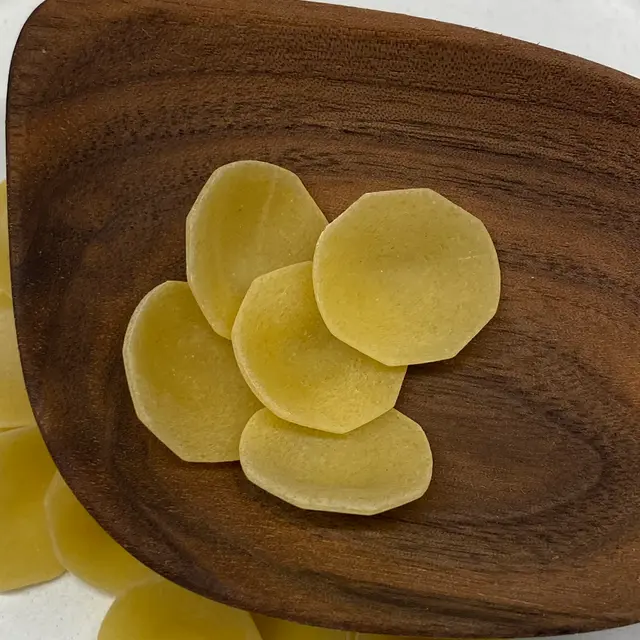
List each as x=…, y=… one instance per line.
x=288, y=346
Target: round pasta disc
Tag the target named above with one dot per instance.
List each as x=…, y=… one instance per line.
x=406, y=277
x=184, y=381
x=5, y=275
x=84, y=548
x=15, y=409
x=380, y=466
x=160, y=610
x=26, y=553
x=251, y=218
x=276, y=629
x=297, y=368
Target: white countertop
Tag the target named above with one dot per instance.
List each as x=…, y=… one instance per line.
x=607, y=31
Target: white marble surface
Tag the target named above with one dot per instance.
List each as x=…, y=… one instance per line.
x=607, y=31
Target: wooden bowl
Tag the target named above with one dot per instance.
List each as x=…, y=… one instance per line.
x=118, y=112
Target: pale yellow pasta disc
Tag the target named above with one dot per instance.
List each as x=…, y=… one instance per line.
x=26, y=468
x=406, y=277
x=183, y=377
x=15, y=409
x=160, y=610
x=84, y=548
x=380, y=466
x=276, y=629
x=297, y=368
x=251, y=218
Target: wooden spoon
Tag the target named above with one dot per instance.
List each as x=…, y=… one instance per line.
x=120, y=109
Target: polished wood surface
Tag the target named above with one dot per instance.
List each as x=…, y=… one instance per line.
x=120, y=109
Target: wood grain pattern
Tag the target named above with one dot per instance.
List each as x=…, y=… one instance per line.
x=118, y=112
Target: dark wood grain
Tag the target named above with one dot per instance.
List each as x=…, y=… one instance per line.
x=120, y=109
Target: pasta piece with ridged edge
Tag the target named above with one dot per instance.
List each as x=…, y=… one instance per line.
x=183, y=377
x=161, y=610
x=406, y=277
x=27, y=556
x=378, y=467
x=251, y=218
x=297, y=368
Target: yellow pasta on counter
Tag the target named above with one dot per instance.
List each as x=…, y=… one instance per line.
x=84, y=548
x=27, y=556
